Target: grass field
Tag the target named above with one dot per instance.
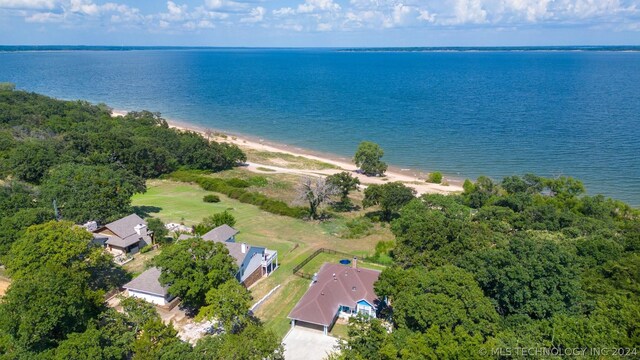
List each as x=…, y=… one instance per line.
x=286, y=160
x=294, y=239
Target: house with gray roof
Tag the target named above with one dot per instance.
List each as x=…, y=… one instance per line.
x=337, y=290
x=253, y=262
x=147, y=286
x=124, y=236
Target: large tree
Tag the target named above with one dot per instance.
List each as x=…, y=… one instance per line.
x=446, y=297
x=85, y=192
x=252, y=343
x=345, y=183
x=213, y=221
x=315, y=192
x=531, y=276
x=390, y=196
x=194, y=266
x=13, y=226
x=31, y=159
x=41, y=308
x=62, y=244
x=229, y=304
x=367, y=158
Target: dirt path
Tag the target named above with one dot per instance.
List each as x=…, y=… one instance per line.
x=424, y=188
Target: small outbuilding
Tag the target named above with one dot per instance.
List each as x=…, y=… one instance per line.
x=147, y=287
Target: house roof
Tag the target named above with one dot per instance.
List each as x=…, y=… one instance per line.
x=336, y=285
x=148, y=282
x=220, y=234
x=125, y=227
x=235, y=249
x=124, y=231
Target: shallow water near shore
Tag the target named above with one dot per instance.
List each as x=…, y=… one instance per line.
x=463, y=113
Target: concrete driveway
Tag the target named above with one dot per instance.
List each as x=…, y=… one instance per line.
x=307, y=344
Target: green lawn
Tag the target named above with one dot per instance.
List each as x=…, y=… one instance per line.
x=314, y=265
x=294, y=239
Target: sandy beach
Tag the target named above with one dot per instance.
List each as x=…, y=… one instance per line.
x=247, y=142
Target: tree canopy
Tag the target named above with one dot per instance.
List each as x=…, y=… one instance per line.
x=84, y=192
x=390, y=196
x=345, y=183
x=525, y=262
x=229, y=304
x=367, y=158
x=194, y=266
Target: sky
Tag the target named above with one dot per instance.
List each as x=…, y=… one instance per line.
x=320, y=23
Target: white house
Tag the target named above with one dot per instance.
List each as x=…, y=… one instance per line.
x=147, y=287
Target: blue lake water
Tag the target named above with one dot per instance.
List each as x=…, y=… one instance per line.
x=495, y=113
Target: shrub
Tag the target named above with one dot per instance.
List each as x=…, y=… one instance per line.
x=145, y=249
x=435, y=177
x=357, y=228
x=236, y=193
x=211, y=198
x=238, y=183
x=258, y=181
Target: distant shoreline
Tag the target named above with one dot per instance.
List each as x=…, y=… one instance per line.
x=411, y=177
x=568, y=48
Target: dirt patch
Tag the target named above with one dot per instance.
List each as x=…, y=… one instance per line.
x=4, y=285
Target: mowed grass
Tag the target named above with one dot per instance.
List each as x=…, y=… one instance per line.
x=294, y=239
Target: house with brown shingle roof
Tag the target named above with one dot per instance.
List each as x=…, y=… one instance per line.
x=337, y=290
x=124, y=236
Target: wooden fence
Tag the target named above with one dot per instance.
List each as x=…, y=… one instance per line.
x=297, y=269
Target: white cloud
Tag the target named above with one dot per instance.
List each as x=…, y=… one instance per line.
x=255, y=15
x=45, y=17
x=334, y=15
x=285, y=11
x=225, y=5
x=310, y=6
x=83, y=7
x=28, y=4
x=425, y=15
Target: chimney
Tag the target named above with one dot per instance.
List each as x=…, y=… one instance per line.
x=243, y=248
x=141, y=229
x=354, y=264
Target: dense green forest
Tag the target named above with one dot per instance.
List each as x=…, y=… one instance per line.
x=527, y=263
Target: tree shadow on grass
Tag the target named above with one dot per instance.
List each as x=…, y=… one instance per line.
x=379, y=216
x=145, y=211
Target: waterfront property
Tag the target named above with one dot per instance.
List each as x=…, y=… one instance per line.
x=254, y=262
x=124, y=236
x=336, y=291
x=147, y=286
